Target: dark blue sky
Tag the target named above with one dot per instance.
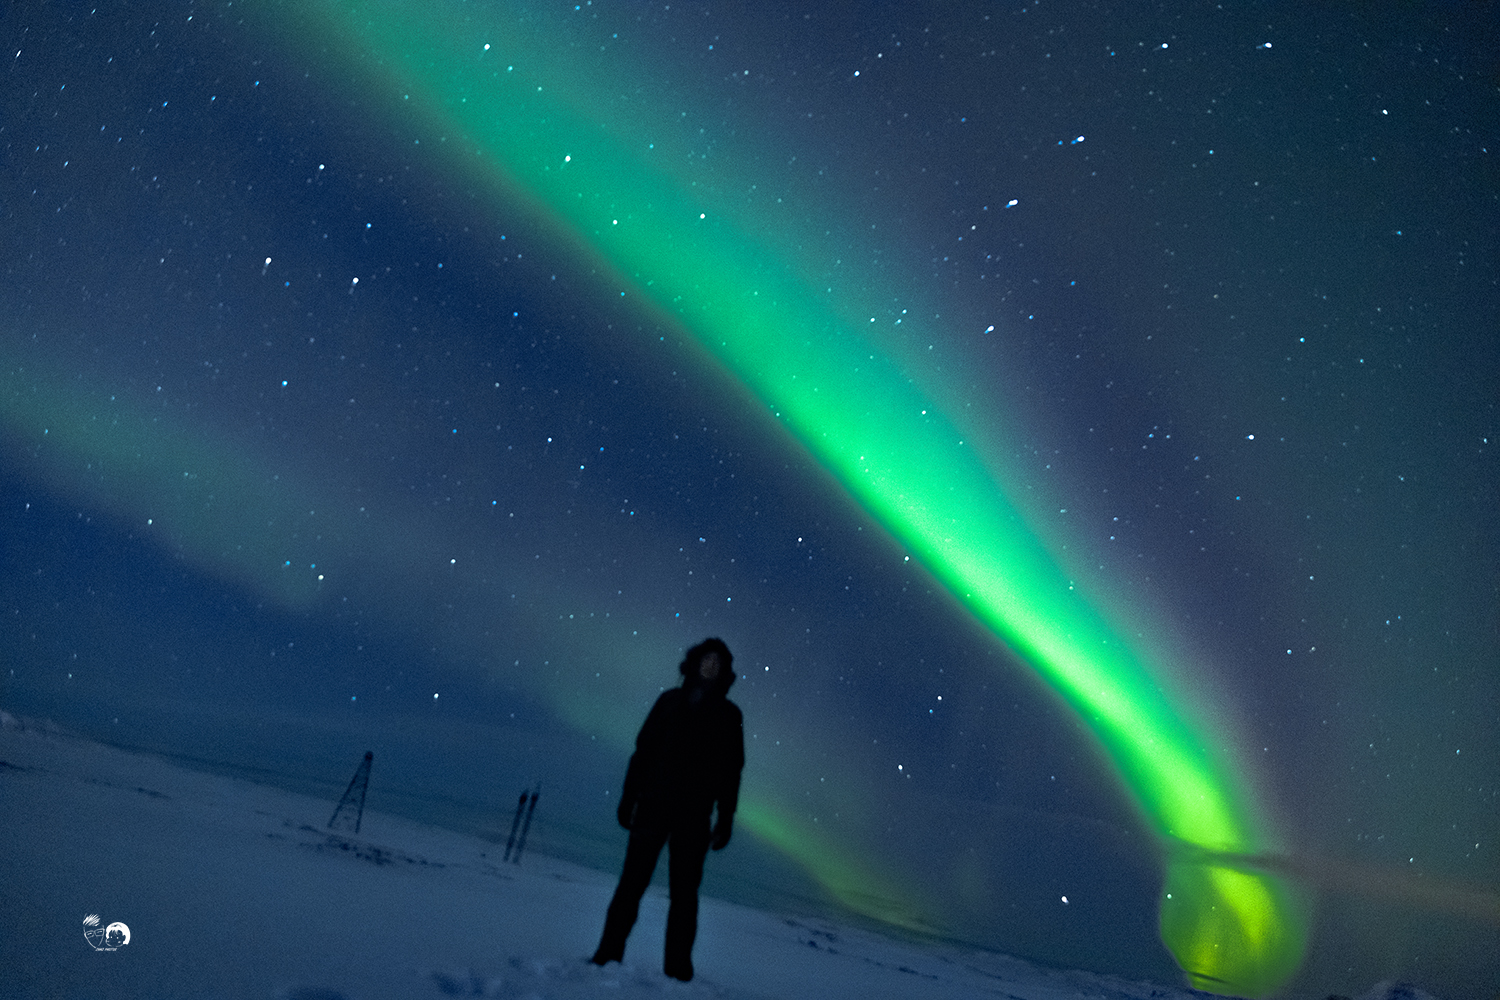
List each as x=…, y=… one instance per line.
x=258, y=514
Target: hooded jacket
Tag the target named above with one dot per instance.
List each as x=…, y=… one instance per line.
x=690, y=751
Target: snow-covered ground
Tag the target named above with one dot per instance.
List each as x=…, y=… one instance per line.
x=232, y=889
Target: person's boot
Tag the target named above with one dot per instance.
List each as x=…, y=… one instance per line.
x=611, y=949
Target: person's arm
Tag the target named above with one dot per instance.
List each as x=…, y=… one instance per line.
x=646, y=748
x=729, y=792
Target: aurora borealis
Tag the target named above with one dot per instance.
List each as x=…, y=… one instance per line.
x=451, y=372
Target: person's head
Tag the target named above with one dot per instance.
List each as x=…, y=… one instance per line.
x=708, y=664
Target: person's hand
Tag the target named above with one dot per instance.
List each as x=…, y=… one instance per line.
x=722, y=831
x=626, y=813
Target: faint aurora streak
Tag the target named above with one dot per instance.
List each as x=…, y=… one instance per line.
x=1232, y=928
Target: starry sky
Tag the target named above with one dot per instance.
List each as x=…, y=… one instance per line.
x=1028, y=393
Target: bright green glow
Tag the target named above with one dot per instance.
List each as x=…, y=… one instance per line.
x=1233, y=931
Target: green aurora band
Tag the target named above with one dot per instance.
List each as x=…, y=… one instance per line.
x=1232, y=928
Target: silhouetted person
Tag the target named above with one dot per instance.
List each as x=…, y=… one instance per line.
x=687, y=759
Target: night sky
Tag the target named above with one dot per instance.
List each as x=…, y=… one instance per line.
x=428, y=383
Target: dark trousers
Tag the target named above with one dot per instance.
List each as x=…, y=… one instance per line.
x=688, y=840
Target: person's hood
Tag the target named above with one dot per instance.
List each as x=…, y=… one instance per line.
x=726, y=678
